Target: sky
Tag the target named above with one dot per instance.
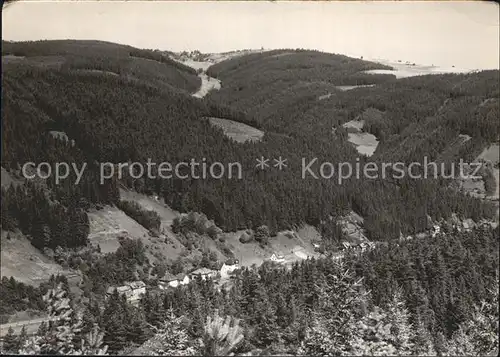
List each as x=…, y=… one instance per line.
x=463, y=34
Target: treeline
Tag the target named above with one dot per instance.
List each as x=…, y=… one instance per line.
x=149, y=219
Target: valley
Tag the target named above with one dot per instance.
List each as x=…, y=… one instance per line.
x=297, y=248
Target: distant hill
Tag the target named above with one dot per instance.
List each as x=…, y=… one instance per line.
x=101, y=58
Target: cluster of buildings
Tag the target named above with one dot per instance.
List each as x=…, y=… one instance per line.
x=361, y=246
x=297, y=253
x=133, y=291
x=172, y=281
x=277, y=258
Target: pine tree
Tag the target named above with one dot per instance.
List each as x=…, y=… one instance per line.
x=222, y=335
x=42, y=329
x=10, y=343
x=401, y=328
x=196, y=327
x=137, y=327
x=461, y=344
x=266, y=330
x=113, y=324
x=422, y=341
x=317, y=341
x=92, y=344
x=440, y=343
x=23, y=337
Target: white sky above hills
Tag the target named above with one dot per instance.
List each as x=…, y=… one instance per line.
x=463, y=34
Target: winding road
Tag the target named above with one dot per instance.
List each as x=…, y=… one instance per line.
x=207, y=84
x=31, y=325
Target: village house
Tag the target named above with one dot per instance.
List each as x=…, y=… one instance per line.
x=358, y=246
x=277, y=258
x=228, y=267
x=133, y=291
x=173, y=281
x=203, y=273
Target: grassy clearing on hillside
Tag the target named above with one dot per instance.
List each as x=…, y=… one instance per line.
x=365, y=143
x=346, y=88
x=168, y=246
x=486, y=187
x=24, y=262
x=239, y=132
x=109, y=223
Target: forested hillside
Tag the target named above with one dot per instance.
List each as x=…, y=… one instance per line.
x=119, y=119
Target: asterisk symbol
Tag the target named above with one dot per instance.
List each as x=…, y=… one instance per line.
x=262, y=163
x=280, y=163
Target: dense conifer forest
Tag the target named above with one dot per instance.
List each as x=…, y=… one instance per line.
x=90, y=102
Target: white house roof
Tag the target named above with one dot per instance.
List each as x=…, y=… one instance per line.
x=137, y=284
x=126, y=289
x=123, y=289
